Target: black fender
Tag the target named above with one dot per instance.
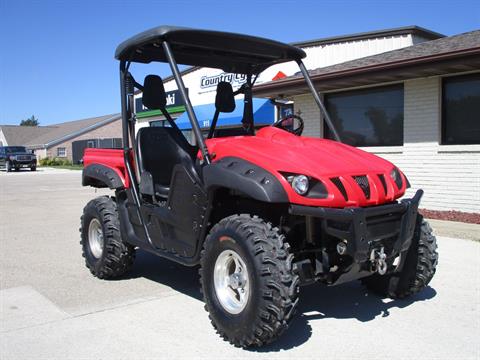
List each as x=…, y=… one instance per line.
x=243, y=176
x=101, y=176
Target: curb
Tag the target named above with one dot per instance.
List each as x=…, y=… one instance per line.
x=455, y=229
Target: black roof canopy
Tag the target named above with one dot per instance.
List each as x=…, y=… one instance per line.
x=228, y=51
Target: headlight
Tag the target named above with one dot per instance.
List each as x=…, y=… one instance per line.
x=306, y=186
x=396, y=177
x=299, y=183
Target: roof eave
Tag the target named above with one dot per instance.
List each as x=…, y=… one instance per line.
x=297, y=83
x=405, y=30
x=75, y=133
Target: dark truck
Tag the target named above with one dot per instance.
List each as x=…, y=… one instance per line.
x=16, y=157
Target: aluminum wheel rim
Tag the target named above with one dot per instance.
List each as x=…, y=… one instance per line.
x=95, y=238
x=231, y=281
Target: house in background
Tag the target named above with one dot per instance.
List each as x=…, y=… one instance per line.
x=66, y=140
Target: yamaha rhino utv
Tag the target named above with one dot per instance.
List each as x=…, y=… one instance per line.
x=262, y=213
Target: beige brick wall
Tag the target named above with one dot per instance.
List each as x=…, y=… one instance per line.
x=449, y=174
x=111, y=130
x=41, y=153
x=305, y=106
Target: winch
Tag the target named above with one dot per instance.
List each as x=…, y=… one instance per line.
x=378, y=260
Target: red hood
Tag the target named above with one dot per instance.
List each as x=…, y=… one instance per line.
x=279, y=151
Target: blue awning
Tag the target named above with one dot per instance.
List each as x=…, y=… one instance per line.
x=263, y=113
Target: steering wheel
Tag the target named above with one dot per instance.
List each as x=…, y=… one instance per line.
x=288, y=124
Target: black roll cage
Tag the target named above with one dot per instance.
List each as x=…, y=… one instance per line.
x=127, y=85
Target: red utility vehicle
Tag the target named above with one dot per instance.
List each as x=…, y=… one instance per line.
x=261, y=213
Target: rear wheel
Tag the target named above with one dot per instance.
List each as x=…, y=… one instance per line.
x=418, y=269
x=106, y=255
x=249, y=288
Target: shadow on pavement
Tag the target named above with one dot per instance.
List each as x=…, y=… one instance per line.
x=317, y=301
x=178, y=277
x=345, y=301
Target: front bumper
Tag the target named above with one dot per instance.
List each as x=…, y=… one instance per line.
x=24, y=163
x=364, y=229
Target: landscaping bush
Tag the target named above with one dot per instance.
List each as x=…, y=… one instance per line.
x=55, y=162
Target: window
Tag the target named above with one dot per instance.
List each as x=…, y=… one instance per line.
x=367, y=117
x=461, y=109
x=117, y=143
x=61, y=152
x=284, y=110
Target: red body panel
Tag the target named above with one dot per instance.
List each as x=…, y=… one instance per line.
x=277, y=151
x=112, y=158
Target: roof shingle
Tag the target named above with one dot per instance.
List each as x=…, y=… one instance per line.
x=429, y=48
x=45, y=136
x=435, y=57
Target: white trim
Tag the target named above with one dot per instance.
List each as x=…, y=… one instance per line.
x=383, y=149
x=471, y=148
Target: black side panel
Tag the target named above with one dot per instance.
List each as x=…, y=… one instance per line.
x=101, y=176
x=176, y=227
x=245, y=177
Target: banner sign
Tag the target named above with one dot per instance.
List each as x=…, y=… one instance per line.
x=174, y=99
x=234, y=79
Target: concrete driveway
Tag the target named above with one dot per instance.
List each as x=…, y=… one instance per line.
x=52, y=308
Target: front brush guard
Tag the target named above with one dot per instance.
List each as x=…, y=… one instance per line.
x=363, y=228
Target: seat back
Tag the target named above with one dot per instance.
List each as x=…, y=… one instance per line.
x=160, y=149
x=154, y=96
x=224, y=99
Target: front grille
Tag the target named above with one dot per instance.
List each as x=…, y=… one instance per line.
x=23, y=157
x=362, y=181
x=381, y=177
x=338, y=183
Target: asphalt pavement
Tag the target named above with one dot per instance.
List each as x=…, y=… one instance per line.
x=52, y=308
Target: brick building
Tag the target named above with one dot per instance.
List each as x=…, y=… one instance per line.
x=417, y=106
x=65, y=140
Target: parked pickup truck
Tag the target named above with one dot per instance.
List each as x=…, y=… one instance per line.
x=16, y=157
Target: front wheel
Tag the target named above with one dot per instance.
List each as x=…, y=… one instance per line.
x=8, y=166
x=249, y=288
x=418, y=269
x=33, y=168
x=106, y=255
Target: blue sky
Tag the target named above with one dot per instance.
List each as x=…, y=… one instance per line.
x=56, y=57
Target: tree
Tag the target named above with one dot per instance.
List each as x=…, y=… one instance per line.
x=31, y=121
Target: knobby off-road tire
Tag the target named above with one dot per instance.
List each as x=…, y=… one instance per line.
x=272, y=285
x=109, y=257
x=418, y=269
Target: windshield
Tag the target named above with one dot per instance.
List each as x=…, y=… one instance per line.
x=15, y=149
